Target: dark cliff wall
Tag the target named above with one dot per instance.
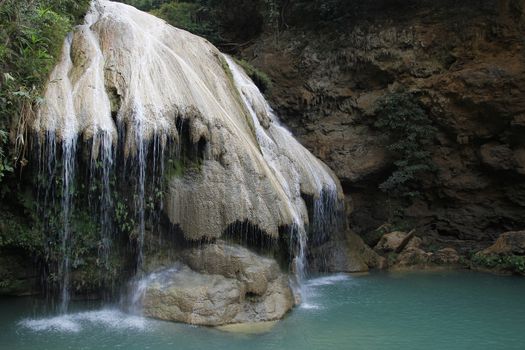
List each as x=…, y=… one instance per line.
x=465, y=63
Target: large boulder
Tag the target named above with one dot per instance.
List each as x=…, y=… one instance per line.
x=505, y=256
x=412, y=258
x=417, y=258
x=396, y=241
x=234, y=262
x=507, y=243
x=346, y=254
x=221, y=284
x=445, y=256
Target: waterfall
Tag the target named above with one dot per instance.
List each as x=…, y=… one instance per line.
x=267, y=137
x=139, y=201
x=68, y=177
x=102, y=167
x=141, y=92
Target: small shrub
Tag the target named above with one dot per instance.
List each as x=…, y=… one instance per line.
x=187, y=16
x=31, y=38
x=512, y=263
x=410, y=133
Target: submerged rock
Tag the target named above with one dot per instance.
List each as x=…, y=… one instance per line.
x=249, y=328
x=221, y=284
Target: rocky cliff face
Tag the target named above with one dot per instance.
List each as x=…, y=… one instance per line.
x=465, y=62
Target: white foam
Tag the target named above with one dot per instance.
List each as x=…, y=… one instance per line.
x=58, y=324
x=310, y=306
x=328, y=280
x=72, y=323
x=309, y=292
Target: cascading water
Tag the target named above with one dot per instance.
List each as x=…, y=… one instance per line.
x=248, y=90
x=268, y=137
x=102, y=167
x=135, y=87
x=140, y=197
x=68, y=176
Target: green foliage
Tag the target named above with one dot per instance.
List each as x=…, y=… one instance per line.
x=123, y=217
x=175, y=168
x=512, y=263
x=145, y=5
x=392, y=258
x=324, y=10
x=31, y=36
x=5, y=164
x=263, y=81
x=179, y=167
x=16, y=233
x=410, y=133
x=185, y=15
x=237, y=21
x=223, y=22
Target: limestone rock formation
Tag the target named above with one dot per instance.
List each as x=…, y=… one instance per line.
x=221, y=284
x=145, y=84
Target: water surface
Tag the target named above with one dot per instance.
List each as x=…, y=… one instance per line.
x=449, y=310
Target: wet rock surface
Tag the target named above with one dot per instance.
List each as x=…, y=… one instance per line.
x=219, y=284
